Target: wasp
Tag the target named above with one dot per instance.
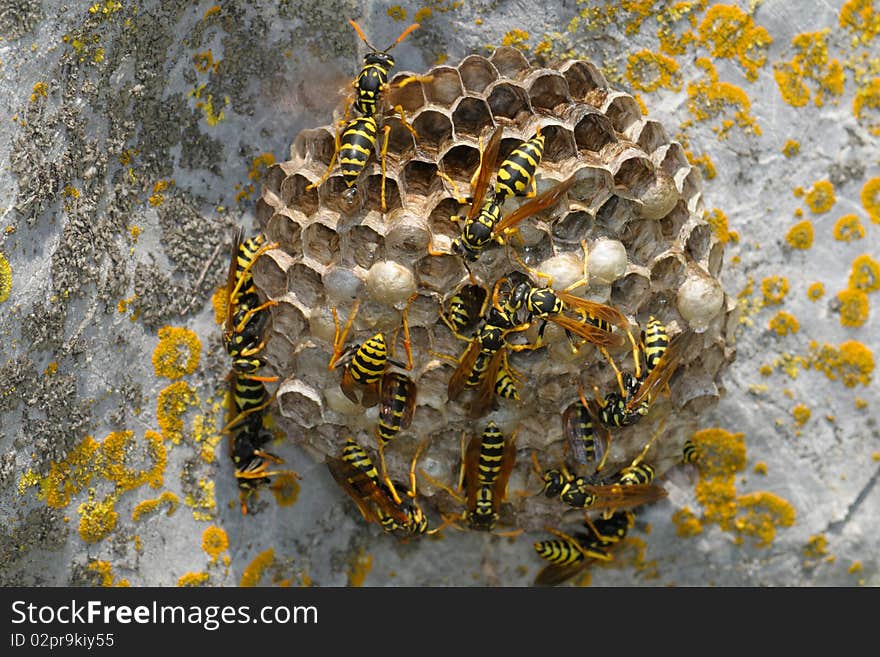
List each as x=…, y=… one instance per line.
x=397, y=404
x=465, y=308
x=690, y=453
x=252, y=463
x=486, y=465
x=365, y=364
x=517, y=172
x=376, y=496
x=245, y=319
x=570, y=555
x=658, y=377
x=580, y=433
x=654, y=340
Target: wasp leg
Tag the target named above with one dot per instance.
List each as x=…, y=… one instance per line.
x=387, y=130
x=339, y=336
x=337, y=147
x=250, y=313
x=241, y=276
x=407, y=343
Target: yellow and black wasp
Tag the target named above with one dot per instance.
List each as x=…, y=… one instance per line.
x=485, y=469
x=465, y=309
x=365, y=364
x=376, y=495
x=585, y=441
x=245, y=316
x=517, y=172
x=690, y=452
x=571, y=554
x=360, y=136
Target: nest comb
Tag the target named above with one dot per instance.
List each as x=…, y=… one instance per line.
x=636, y=202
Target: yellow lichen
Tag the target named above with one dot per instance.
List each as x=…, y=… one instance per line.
x=648, y=71
x=5, y=278
x=816, y=547
x=686, y=523
x=801, y=413
x=784, y=323
x=214, y=542
x=851, y=362
x=135, y=232
x=97, y=519
x=868, y=98
x=171, y=404
x=760, y=468
x=709, y=98
x=810, y=62
x=150, y=506
x=853, y=307
x=855, y=567
x=865, y=274
x=707, y=166
x=359, y=567
x=820, y=197
x=105, y=570
x=800, y=236
x=193, y=579
x=423, y=14
x=69, y=476
x=157, y=197
x=116, y=448
x=254, y=571
x=516, y=38
x=774, y=289
x=718, y=221
x=764, y=512
x=765, y=370
x=177, y=352
x=848, y=228
x=220, y=302
x=871, y=199
x=731, y=33
x=860, y=404
x=792, y=147
x=816, y=291
x=286, y=489
x=204, y=62
x=204, y=505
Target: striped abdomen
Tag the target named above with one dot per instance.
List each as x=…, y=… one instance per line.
x=483, y=516
x=516, y=172
x=577, y=428
x=656, y=341
x=358, y=142
x=356, y=457
x=559, y=552
x=640, y=474
x=575, y=494
x=690, y=452
x=244, y=260
x=505, y=386
x=396, y=393
x=369, y=361
x=248, y=394
x=476, y=234
x=491, y=454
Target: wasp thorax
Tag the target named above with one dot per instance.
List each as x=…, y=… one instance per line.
x=630, y=215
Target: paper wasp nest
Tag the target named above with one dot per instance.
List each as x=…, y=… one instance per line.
x=637, y=203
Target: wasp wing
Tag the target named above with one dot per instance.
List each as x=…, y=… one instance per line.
x=237, y=238
x=459, y=378
x=486, y=392
x=487, y=166
x=542, y=201
x=660, y=375
x=394, y=386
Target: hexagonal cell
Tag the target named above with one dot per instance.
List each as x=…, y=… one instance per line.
x=558, y=144
x=364, y=243
x=652, y=136
x=444, y=86
x=420, y=178
x=410, y=97
x=693, y=184
x=439, y=273
x=592, y=188
x=372, y=189
x=643, y=240
x=434, y=129
x=423, y=310
x=674, y=160
x=439, y=220
x=278, y=354
x=273, y=178
x=574, y=227
x=460, y=163
x=624, y=112
x=288, y=320
x=510, y=101
x=471, y=116
x=509, y=61
x=630, y=292
x=408, y=237
x=264, y=210
x=582, y=78
x=635, y=175
x=549, y=89
x=612, y=217
x=316, y=145
x=341, y=283
x=671, y=224
x=697, y=244
x=477, y=73
x=334, y=194
x=285, y=230
x=305, y=283
x=300, y=402
x=593, y=132
x=270, y=272
x=320, y=243
x=668, y=271
x=295, y=195
x=716, y=257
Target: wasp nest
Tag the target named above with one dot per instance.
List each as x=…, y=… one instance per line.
x=636, y=205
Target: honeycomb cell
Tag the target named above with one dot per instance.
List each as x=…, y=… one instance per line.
x=659, y=197
x=716, y=258
x=573, y=226
x=652, y=137
x=288, y=321
x=434, y=130
x=593, y=132
x=582, y=78
x=608, y=260
x=300, y=402
x=477, y=73
x=460, y=163
x=699, y=299
x=305, y=284
x=510, y=101
x=283, y=228
x=558, y=144
x=321, y=243
x=697, y=244
x=675, y=162
x=372, y=190
x=420, y=179
x=423, y=310
x=630, y=292
x=407, y=238
x=444, y=87
x=509, y=61
x=273, y=178
x=295, y=195
x=471, y=116
x=266, y=206
x=390, y=282
x=271, y=271
x=364, y=243
x=316, y=146
x=341, y=284
x=673, y=222
x=439, y=273
x=548, y=89
x=623, y=111
x=668, y=270
x=411, y=97
x=439, y=220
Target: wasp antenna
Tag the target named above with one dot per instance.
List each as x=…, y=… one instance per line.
x=357, y=28
x=403, y=35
